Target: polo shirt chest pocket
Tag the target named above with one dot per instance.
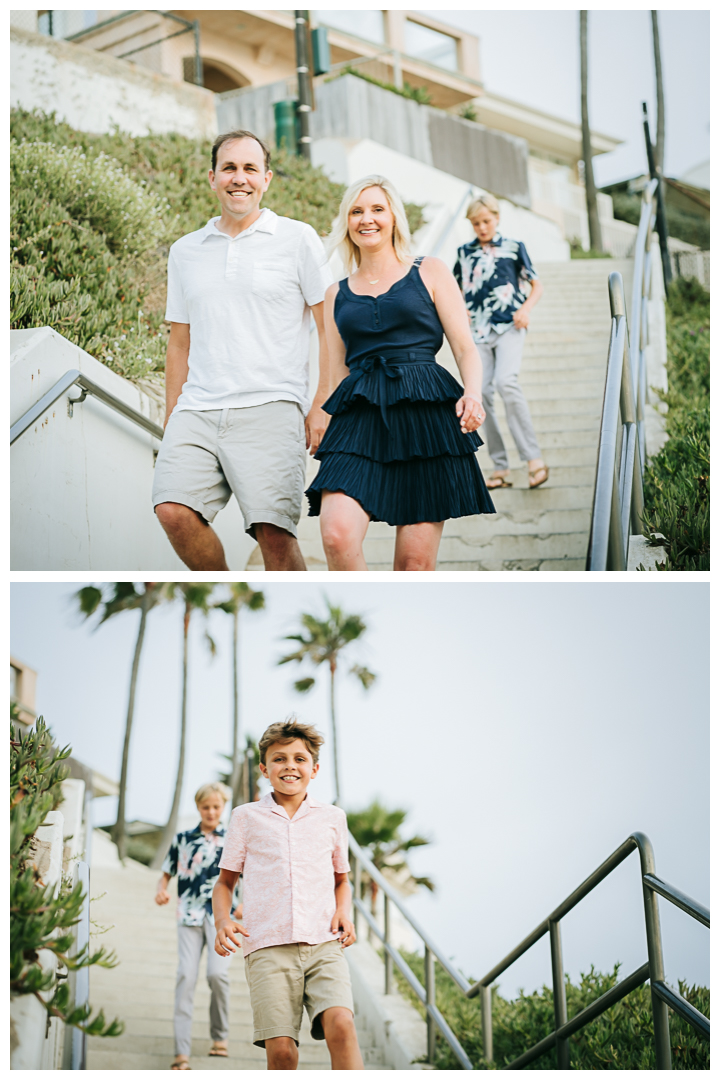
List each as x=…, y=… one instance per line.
x=270, y=279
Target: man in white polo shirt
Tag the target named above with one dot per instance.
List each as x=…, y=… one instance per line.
x=240, y=293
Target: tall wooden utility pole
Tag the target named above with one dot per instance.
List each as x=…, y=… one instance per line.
x=304, y=106
x=590, y=192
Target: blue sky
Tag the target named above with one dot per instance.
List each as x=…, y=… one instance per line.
x=533, y=57
x=527, y=728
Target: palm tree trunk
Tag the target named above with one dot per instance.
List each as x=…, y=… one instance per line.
x=118, y=833
x=171, y=827
x=333, y=667
x=590, y=192
x=660, y=125
x=235, y=771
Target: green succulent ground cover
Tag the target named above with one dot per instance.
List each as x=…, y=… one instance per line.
x=677, y=480
x=622, y=1038
x=42, y=916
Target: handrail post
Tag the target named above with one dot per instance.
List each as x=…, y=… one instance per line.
x=486, y=1012
x=388, y=957
x=661, y=1022
x=430, y=992
x=559, y=999
x=357, y=884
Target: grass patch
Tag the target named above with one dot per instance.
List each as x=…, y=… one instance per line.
x=677, y=480
x=622, y=1038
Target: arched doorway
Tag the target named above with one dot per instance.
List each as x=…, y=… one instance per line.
x=217, y=76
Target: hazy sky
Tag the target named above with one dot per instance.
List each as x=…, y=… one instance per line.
x=533, y=57
x=528, y=729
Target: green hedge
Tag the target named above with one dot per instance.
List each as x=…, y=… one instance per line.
x=677, y=481
x=622, y=1038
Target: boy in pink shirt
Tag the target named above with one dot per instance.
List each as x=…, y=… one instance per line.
x=297, y=904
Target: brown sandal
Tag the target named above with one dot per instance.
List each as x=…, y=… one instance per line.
x=500, y=482
x=181, y=1065
x=218, y=1051
x=531, y=475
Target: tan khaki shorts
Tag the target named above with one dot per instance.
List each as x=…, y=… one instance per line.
x=256, y=454
x=283, y=978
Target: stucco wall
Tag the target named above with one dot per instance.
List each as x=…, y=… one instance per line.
x=93, y=91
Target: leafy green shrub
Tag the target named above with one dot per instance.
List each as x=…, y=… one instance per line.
x=40, y=918
x=677, y=480
x=691, y=228
x=621, y=1038
x=577, y=251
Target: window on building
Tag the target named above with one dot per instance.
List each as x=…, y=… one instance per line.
x=61, y=24
x=431, y=45
x=369, y=25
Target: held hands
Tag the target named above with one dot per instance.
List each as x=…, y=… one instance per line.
x=315, y=424
x=225, y=940
x=521, y=318
x=470, y=413
x=342, y=925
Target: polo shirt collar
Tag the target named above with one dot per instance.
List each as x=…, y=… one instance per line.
x=267, y=223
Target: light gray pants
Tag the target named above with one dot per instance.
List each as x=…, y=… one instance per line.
x=501, y=355
x=191, y=940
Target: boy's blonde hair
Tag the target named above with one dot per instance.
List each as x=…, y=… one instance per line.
x=340, y=237
x=287, y=732
x=217, y=788
x=486, y=200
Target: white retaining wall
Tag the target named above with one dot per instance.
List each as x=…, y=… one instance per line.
x=93, y=91
x=81, y=486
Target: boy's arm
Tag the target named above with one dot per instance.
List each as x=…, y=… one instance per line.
x=225, y=924
x=342, y=923
x=162, y=896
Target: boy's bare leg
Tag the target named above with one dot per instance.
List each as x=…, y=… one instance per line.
x=280, y=550
x=282, y=1053
x=197, y=544
x=341, y=1037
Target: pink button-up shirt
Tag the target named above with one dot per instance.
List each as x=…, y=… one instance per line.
x=288, y=867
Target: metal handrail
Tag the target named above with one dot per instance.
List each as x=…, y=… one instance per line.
x=76, y=378
x=663, y=996
x=618, y=495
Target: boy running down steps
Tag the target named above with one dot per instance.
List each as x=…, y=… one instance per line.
x=297, y=905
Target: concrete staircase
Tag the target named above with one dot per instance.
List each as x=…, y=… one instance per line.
x=563, y=377
x=140, y=990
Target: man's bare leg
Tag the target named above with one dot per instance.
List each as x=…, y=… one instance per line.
x=280, y=550
x=341, y=1037
x=197, y=544
x=282, y=1053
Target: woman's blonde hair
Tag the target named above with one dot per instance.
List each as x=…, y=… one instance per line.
x=340, y=237
x=485, y=200
x=218, y=788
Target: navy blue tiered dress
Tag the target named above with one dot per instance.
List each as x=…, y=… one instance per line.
x=394, y=443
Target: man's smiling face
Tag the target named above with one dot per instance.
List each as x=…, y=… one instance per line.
x=289, y=767
x=240, y=179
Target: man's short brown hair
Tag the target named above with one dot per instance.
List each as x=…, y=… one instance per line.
x=229, y=135
x=287, y=732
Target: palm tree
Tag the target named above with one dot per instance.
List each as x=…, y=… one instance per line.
x=119, y=597
x=194, y=597
x=660, y=124
x=590, y=193
x=377, y=829
x=241, y=595
x=322, y=643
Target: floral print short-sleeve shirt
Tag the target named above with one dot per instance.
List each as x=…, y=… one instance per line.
x=195, y=857
x=494, y=283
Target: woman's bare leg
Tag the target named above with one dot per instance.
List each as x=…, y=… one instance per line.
x=343, y=524
x=416, y=546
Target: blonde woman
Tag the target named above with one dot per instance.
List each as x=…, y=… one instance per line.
x=501, y=288
x=401, y=444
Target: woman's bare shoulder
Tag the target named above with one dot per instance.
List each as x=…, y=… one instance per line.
x=435, y=269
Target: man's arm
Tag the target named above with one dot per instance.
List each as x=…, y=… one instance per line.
x=176, y=365
x=342, y=919
x=317, y=420
x=226, y=926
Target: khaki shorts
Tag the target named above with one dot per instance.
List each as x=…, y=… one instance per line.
x=256, y=454
x=283, y=978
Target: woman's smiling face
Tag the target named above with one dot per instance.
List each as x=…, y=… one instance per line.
x=370, y=220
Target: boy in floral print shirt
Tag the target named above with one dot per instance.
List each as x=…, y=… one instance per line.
x=292, y=853
x=194, y=857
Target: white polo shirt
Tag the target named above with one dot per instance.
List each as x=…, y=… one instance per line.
x=246, y=299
